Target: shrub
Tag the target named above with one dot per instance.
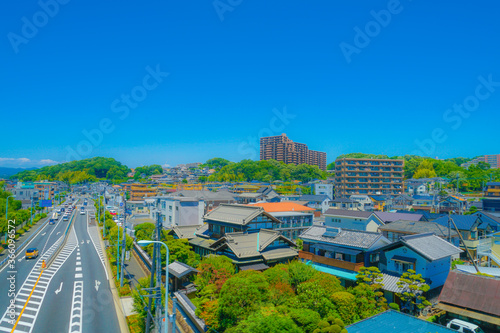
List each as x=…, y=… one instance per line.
x=394, y=306
x=20, y=232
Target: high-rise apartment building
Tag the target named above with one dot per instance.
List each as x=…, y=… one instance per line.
x=281, y=148
x=492, y=160
x=368, y=176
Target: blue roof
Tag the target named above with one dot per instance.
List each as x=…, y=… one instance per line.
x=463, y=222
x=393, y=321
x=312, y=197
x=378, y=197
x=334, y=271
x=422, y=197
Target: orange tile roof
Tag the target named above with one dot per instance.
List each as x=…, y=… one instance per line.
x=286, y=206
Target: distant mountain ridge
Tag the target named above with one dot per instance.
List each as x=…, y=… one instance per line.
x=7, y=172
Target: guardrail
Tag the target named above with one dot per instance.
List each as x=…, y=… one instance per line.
x=143, y=255
x=54, y=255
x=23, y=244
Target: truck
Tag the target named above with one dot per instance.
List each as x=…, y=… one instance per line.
x=54, y=217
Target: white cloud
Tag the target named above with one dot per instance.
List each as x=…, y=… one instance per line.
x=24, y=162
x=166, y=165
x=48, y=161
x=19, y=160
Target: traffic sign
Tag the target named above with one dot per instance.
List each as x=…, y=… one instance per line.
x=121, y=204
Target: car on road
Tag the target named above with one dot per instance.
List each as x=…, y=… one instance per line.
x=31, y=253
x=65, y=217
x=82, y=212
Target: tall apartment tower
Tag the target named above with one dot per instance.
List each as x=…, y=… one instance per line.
x=368, y=176
x=281, y=148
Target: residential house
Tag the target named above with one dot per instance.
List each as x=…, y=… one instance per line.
x=258, y=250
x=379, y=202
x=473, y=298
x=212, y=199
x=366, y=203
x=246, y=234
x=382, y=218
x=402, y=202
x=426, y=254
x=471, y=227
x=424, y=202
x=295, y=218
x=491, y=204
x=349, y=219
x=345, y=203
x=452, y=203
x=180, y=211
x=318, y=202
x=416, y=187
x=270, y=194
x=250, y=197
x=394, y=230
x=492, y=189
x=340, y=252
x=323, y=189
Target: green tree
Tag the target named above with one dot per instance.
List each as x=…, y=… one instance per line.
x=412, y=288
x=261, y=321
x=242, y=295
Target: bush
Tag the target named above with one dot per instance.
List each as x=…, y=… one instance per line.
x=20, y=232
x=44, y=215
x=394, y=306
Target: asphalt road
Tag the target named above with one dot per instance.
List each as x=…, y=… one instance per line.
x=72, y=295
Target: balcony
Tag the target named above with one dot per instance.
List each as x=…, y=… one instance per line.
x=351, y=266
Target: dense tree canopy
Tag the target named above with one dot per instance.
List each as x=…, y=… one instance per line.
x=77, y=171
x=292, y=297
x=266, y=171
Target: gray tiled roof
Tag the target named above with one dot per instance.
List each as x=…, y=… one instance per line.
x=348, y=213
x=346, y=237
x=245, y=245
x=430, y=246
x=417, y=227
x=235, y=214
x=208, y=195
x=179, y=269
x=387, y=217
x=186, y=231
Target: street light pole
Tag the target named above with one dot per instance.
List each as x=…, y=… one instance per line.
x=167, y=317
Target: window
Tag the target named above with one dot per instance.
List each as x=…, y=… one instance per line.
x=170, y=208
x=170, y=219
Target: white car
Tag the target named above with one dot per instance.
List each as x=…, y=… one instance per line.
x=82, y=212
x=463, y=326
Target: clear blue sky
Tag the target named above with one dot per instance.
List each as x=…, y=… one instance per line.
x=379, y=91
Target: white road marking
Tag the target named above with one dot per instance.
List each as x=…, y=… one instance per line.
x=44, y=233
x=78, y=276
x=60, y=288
x=97, y=284
x=75, y=321
x=78, y=269
x=78, y=263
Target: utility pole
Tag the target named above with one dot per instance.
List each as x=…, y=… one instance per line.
x=155, y=281
x=123, y=242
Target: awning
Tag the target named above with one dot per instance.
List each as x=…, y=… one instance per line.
x=467, y=313
x=404, y=259
x=335, y=271
x=279, y=254
x=333, y=248
x=256, y=267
